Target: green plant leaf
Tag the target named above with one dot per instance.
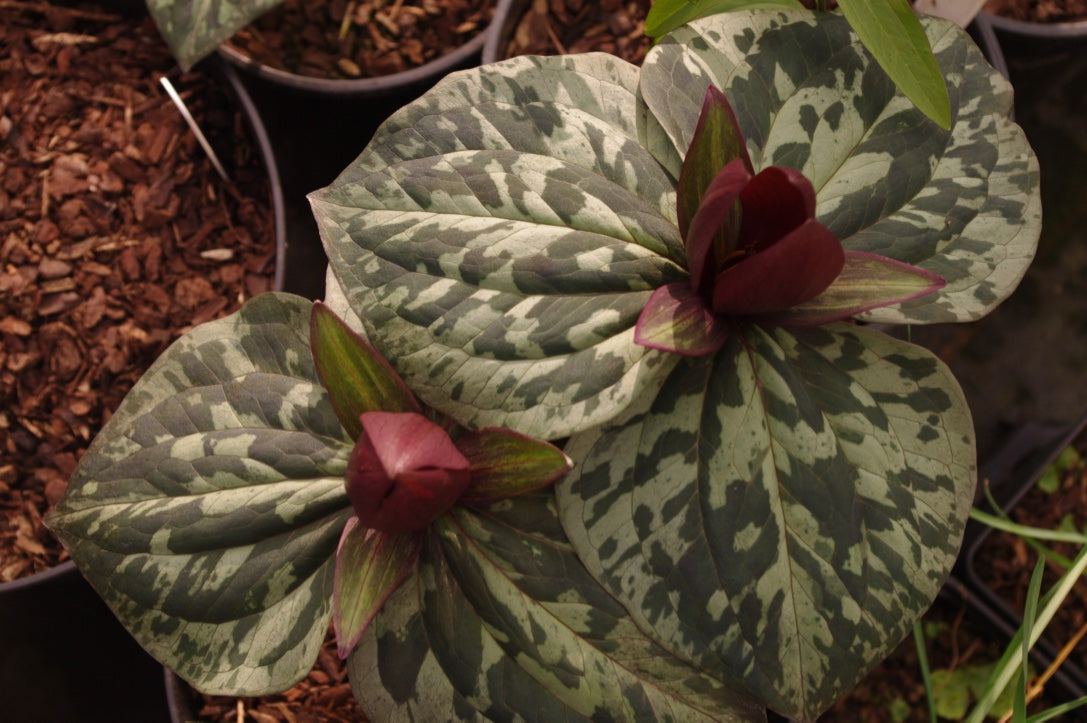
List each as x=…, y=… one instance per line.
x=962, y=204
x=483, y=631
x=667, y=15
x=194, y=29
x=499, y=254
x=893, y=34
x=782, y=512
x=208, y=510
x=501, y=235
x=357, y=378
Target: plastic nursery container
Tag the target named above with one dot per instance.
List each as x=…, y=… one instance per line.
x=1011, y=475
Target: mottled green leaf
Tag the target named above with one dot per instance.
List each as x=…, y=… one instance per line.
x=499, y=238
x=891, y=31
x=208, y=510
x=194, y=28
x=782, y=512
x=485, y=630
x=356, y=377
x=667, y=15
x=370, y=566
x=963, y=203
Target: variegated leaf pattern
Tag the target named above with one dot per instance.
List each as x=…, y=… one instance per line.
x=781, y=513
x=194, y=28
x=963, y=204
x=503, y=623
x=208, y=510
x=499, y=238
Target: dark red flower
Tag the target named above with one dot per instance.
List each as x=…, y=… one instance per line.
x=755, y=250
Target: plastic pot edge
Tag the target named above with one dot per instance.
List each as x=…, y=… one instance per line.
x=378, y=86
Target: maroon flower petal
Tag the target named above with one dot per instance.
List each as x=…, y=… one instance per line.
x=777, y=201
x=404, y=472
x=793, y=270
x=867, y=281
x=676, y=319
x=715, y=227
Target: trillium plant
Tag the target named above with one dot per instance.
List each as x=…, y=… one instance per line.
x=680, y=274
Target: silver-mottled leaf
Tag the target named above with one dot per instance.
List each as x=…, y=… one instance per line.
x=963, y=204
x=782, y=512
x=207, y=511
x=503, y=620
x=499, y=238
x=194, y=28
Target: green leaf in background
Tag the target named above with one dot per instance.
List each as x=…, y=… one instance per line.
x=484, y=631
x=207, y=512
x=782, y=512
x=893, y=34
x=195, y=28
x=667, y=15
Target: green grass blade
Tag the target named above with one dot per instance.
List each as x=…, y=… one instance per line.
x=1058, y=710
x=926, y=671
x=1014, y=656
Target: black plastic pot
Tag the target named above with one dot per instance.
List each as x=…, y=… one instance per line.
x=65, y=657
x=317, y=127
x=1011, y=474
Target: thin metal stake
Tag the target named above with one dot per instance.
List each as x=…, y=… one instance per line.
x=192, y=124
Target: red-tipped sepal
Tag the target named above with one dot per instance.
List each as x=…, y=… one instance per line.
x=505, y=464
x=676, y=319
x=867, y=281
x=370, y=566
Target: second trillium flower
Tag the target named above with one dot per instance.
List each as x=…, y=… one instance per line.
x=755, y=251
x=406, y=471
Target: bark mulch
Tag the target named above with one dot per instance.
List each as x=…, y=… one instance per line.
x=558, y=27
x=116, y=236
x=361, y=38
x=1039, y=11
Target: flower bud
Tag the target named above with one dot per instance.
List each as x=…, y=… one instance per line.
x=404, y=472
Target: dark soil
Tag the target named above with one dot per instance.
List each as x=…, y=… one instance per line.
x=361, y=38
x=1039, y=11
x=1005, y=562
x=558, y=27
x=116, y=236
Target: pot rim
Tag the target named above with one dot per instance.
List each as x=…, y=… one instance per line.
x=1071, y=29
x=376, y=86
x=62, y=569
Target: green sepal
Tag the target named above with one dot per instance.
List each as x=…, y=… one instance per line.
x=370, y=566
x=357, y=378
x=507, y=464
